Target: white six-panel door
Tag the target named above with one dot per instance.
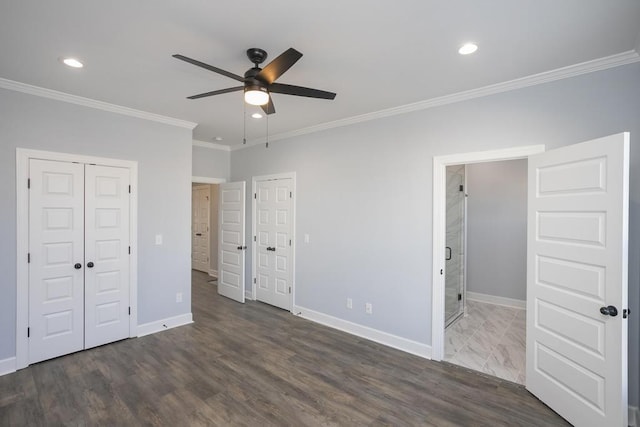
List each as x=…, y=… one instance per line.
x=107, y=249
x=56, y=268
x=577, y=270
x=274, y=227
x=79, y=219
x=231, y=236
x=200, y=247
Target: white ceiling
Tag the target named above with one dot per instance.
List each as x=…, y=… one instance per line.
x=374, y=54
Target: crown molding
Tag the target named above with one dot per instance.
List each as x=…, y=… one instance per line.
x=92, y=103
x=211, y=145
x=624, y=58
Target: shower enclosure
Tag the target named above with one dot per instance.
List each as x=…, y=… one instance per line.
x=455, y=244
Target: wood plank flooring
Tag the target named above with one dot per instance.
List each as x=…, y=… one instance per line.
x=252, y=364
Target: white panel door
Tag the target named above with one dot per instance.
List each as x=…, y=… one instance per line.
x=576, y=269
x=274, y=274
x=106, y=254
x=231, y=243
x=56, y=269
x=200, y=228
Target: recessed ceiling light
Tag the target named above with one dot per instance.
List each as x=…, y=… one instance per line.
x=72, y=62
x=467, y=48
x=217, y=138
x=256, y=115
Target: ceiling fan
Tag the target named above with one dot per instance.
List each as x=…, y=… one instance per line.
x=259, y=83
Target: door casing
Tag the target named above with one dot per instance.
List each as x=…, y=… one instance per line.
x=254, y=183
x=440, y=164
x=22, y=239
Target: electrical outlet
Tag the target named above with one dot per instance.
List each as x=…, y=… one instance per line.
x=368, y=308
x=349, y=303
x=158, y=239
x=179, y=297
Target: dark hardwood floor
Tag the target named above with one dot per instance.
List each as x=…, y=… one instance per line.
x=251, y=365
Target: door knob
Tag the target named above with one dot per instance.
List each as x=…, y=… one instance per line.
x=609, y=311
x=198, y=234
x=77, y=266
x=271, y=249
x=90, y=264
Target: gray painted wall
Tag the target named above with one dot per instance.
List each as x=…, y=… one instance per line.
x=497, y=228
x=364, y=193
x=163, y=153
x=211, y=162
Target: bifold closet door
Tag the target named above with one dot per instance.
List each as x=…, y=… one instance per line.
x=106, y=254
x=56, y=268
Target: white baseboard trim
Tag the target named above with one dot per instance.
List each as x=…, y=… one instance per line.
x=492, y=299
x=213, y=273
x=164, y=324
x=7, y=366
x=248, y=295
x=634, y=416
x=399, y=343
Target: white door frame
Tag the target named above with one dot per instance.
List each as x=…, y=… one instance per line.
x=22, y=239
x=440, y=164
x=254, y=186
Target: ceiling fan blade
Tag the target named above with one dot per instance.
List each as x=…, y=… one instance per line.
x=268, y=108
x=300, y=91
x=216, y=92
x=278, y=66
x=209, y=67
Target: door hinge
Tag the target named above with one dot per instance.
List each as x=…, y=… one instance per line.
x=129, y=311
x=255, y=195
x=28, y=182
x=459, y=297
x=28, y=257
x=441, y=272
x=289, y=289
x=289, y=242
x=28, y=332
x=291, y=194
x=254, y=238
x=461, y=187
x=625, y=313
x=129, y=189
x=254, y=280
x=129, y=250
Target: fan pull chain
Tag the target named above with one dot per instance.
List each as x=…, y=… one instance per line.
x=244, y=122
x=267, y=145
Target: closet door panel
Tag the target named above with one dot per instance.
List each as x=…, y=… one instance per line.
x=56, y=228
x=106, y=254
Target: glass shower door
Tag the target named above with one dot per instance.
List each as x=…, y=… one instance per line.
x=454, y=251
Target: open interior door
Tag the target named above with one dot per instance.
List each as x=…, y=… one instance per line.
x=231, y=244
x=577, y=280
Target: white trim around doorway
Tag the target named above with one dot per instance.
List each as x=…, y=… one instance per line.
x=440, y=164
x=22, y=239
x=207, y=180
x=254, y=186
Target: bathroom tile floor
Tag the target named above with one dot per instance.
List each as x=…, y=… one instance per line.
x=489, y=338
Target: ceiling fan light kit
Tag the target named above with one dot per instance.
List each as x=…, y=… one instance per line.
x=256, y=95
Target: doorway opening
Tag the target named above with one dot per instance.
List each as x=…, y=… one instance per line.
x=485, y=267
x=439, y=229
x=204, y=227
